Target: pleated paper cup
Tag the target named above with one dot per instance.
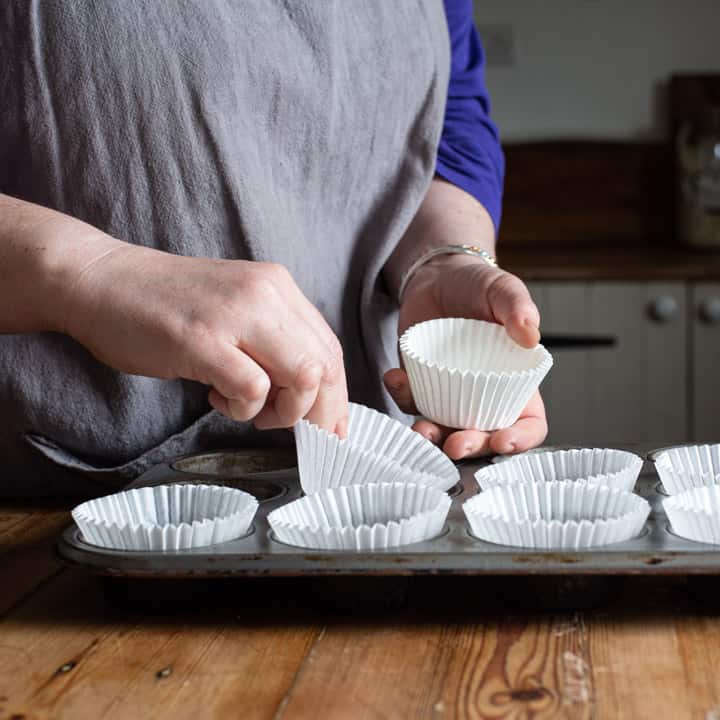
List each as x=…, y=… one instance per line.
x=495, y=459
x=689, y=466
x=469, y=373
x=166, y=517
x=695, y=514
x=362, y=517
x=613, y=468
x=377, y=449
x=556, y=514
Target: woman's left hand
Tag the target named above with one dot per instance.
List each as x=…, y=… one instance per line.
x=466, y=286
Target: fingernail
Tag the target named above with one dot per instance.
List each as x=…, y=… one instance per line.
x=341, y=428
x=509, y=448
x=469, y=447
x=394, y=387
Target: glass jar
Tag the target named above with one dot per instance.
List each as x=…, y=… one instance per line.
x=697, y=156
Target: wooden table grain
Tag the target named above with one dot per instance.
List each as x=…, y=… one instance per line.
x=66, y=651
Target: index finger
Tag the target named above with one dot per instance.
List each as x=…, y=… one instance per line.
x=330, y=409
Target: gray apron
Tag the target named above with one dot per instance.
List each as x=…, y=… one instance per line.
x=301, y=132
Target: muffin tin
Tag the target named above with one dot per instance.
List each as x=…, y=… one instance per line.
x=271, y=477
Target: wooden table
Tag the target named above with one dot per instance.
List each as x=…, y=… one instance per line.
x=65, y=652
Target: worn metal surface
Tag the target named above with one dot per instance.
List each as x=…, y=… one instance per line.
x=232, y=464
x=455, y=552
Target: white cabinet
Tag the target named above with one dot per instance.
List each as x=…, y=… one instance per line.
x=634, y=389
x=705, y=378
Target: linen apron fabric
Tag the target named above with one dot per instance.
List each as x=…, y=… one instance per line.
x=302, y=132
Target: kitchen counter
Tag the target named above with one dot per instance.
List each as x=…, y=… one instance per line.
x=638, y=263
x=595, y=210
x=65, y=652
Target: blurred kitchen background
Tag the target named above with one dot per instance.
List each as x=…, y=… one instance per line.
x=609, y=113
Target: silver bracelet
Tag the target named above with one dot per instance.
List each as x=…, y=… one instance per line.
x=443, y=250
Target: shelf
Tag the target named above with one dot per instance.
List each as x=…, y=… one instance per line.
x=643, y=263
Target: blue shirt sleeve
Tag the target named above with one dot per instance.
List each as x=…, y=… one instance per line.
x=469, y=154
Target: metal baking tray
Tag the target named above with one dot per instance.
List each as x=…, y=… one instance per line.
x=272, y=478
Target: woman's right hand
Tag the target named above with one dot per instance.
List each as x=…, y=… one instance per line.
x=244, y=328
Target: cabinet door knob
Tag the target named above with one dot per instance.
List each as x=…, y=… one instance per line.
x=710, y=310
x=663, y=308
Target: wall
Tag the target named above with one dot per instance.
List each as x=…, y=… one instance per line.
x=595, y=68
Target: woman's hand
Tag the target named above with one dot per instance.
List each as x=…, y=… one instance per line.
x=465, y=286
x=243, y=328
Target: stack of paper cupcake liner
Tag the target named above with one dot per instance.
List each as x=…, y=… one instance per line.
x=362, y=517
x=685, y=467
x=695, y=514
x=613, y=468
x=469, y=373
x=556, y=514
x=166, y=517
x=377, y=449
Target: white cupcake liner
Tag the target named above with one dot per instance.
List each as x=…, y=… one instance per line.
x=689, y=466
x=377, y=449
x=613, y=468
x=495, y=459
x=362, y=517
x=469, y=373
x=166, y=517
x=695, y=514
x=556, y=514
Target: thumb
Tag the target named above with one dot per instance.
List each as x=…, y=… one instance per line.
x=398, y=385
x=511, y=305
